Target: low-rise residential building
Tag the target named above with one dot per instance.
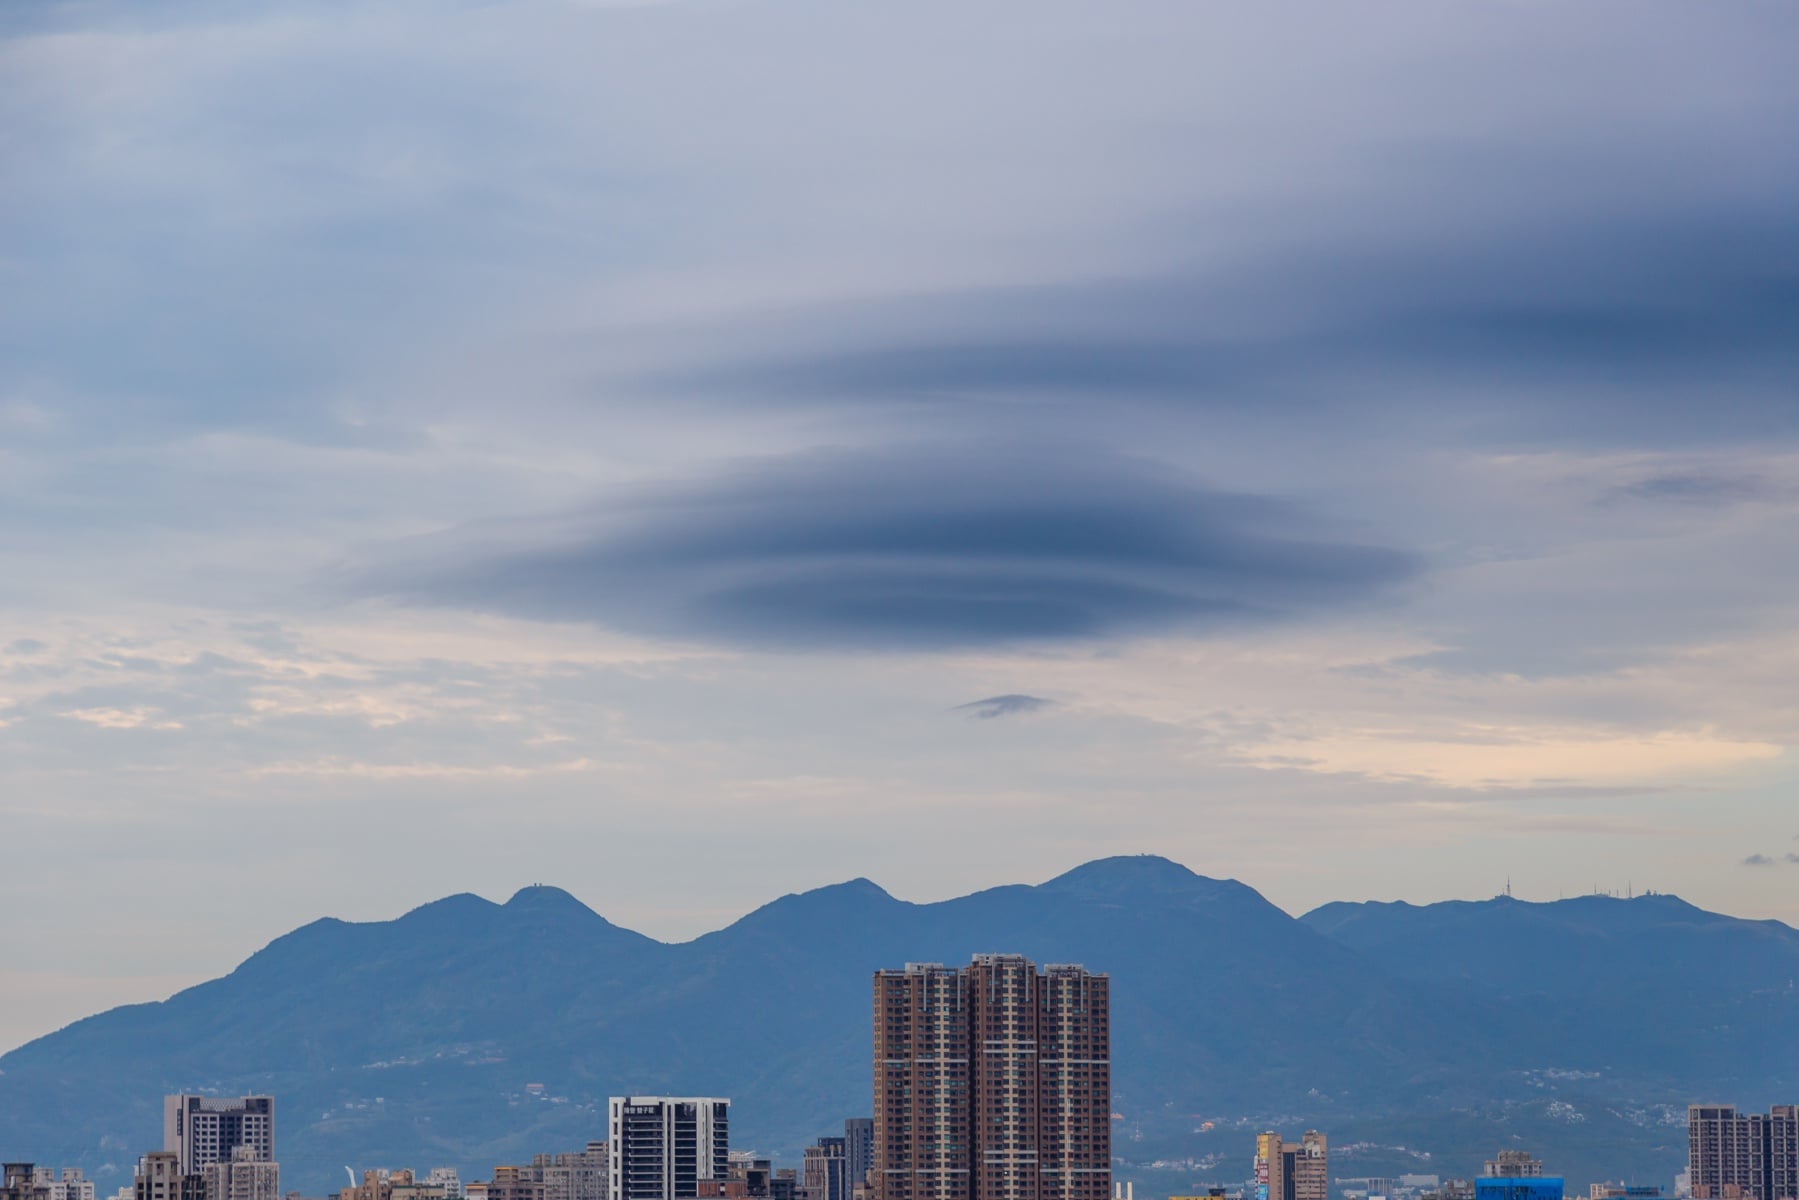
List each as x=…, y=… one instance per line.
x=19, y=1181
x=160, y=1177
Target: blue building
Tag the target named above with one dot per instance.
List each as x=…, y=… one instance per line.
x=1518, y=1187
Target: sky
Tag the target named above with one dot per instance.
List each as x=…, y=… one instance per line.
x=690, y=452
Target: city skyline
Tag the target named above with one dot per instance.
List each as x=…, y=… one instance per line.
x=1764, y=1166
x=466, y=1022
x=984, y=1054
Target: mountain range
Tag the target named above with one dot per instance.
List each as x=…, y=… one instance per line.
x=1420, y=1038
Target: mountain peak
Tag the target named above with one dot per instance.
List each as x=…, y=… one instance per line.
x=1133, y=873
x=862, y=886
x=1134, y=867
x=1131, y=879
x=542, y=898
x=460, y=905
x=816, y=908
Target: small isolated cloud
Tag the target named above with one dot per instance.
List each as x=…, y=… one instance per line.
x=1690, y=487
x=916, y=546
x=1004, y=706
x=1758, y=860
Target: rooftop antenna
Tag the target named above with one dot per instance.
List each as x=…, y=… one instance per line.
x=1508, y=886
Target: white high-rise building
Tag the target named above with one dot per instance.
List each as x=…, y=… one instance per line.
x=662, y=1146
x=202, y=1130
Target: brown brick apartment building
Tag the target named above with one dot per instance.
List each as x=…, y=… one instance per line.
x=992, y=1082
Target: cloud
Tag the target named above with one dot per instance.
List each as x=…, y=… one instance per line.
x=1698, y=487
x=1004, y=706
x=918, y=546
x=1768, y=860
x=1465, y=329
x=24, y=647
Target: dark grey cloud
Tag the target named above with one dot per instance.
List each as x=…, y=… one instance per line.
x=916, y=546
x=25, y=646
x=1052, y=361
x=1698, y=487
x=1592, y=332
x=1012, y=704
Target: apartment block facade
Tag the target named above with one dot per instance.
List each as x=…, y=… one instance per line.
x=20, y=1181
x=244, y=1177
x=26, y=1181
x=662, y=1146
x=202, y=1130
x=992, y=1082
x=160, y=1177
x=1292, y=1170
x=1513, y=1164
x=859, y=1149
x=581, y=1175
x=1743, y=1156
x=824, y=1171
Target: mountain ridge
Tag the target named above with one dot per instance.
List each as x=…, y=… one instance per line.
x=409, y=1041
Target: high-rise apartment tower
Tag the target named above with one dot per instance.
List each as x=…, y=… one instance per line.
x=824, y=1172
x=1783, y=1152
x=1743, y=1156
x=859, y=1148
x=1292, y=1170
x=662, y=1146
x=202, y=1130
x=992, y=1082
